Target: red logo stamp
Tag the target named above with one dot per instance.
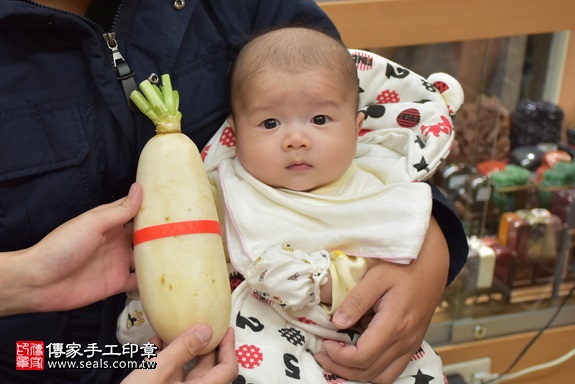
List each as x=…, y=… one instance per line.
x=29, y=355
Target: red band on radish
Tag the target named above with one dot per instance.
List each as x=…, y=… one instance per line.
x=176, y=229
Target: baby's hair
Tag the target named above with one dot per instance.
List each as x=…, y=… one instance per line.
x=294, y=50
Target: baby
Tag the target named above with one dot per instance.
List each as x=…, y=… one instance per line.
x=306, y=208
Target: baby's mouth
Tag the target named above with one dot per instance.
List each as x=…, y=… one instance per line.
x=299, y=166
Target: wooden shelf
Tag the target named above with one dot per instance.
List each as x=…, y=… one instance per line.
x=553, y=344
x=391, y=23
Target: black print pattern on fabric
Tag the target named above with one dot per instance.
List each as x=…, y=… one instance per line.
x=291, y=364
x=351, y=333
x=421, y=378
x=430, y=87
x=375, y=111
x=249, y=322
x=420, y=354
x=294, y=336
x=332, y=378
x=236, y=279
x=398, y=73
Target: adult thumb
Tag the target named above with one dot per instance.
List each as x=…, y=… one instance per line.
x=133, y=200
x=355, y=305
x=186, y=346
x=120, y=211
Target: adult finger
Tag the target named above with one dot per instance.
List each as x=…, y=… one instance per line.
x=343, y=362
x=120, y=211
x=203, y=364
x=169, y=362
x=224, y=372
x=360, y=300
x=185, y=347
x=131, y=283
x=391, y=372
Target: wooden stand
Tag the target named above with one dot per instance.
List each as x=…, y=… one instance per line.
x=553, y=344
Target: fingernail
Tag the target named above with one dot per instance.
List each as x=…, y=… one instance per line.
x=341, y=318
x=132, y=190
x=204, y=333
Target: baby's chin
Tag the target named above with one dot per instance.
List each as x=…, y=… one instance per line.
x=302, y=186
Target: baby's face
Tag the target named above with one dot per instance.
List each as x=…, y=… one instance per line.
x=295, y=131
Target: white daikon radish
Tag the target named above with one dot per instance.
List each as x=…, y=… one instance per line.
x=180, y=262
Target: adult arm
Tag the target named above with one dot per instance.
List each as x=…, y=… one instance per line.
x=82, y=261
x=90, y=258
x=404, y=298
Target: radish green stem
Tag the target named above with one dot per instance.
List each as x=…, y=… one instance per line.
x=159, y=104
x=168, y=94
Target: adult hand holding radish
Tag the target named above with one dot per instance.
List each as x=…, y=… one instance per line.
x=89, y=258
x=82, y=261
x=185, y=347
x=180, y=262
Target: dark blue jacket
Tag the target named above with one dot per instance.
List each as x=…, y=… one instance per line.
x=69, y=141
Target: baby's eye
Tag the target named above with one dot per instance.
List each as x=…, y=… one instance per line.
x=270, y=123
x=319, y=120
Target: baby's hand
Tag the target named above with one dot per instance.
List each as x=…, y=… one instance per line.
x=325, y=292
x=289, y=276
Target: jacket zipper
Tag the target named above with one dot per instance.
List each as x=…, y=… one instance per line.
x=123, y=72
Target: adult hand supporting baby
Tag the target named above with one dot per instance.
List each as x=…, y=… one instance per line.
x=183, y=349
x=404, y=299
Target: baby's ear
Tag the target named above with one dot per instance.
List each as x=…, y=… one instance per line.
x=359, y=122
x=450, y=90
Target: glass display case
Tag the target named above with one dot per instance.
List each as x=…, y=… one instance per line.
x=511, y=172
x=511, y=178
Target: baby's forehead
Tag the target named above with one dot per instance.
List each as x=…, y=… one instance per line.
x=339, y=66
x=276, y=77
x=321, y=87
x=320, y=69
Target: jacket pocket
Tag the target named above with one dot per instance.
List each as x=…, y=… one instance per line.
x=44, y=178
x=40, y=140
